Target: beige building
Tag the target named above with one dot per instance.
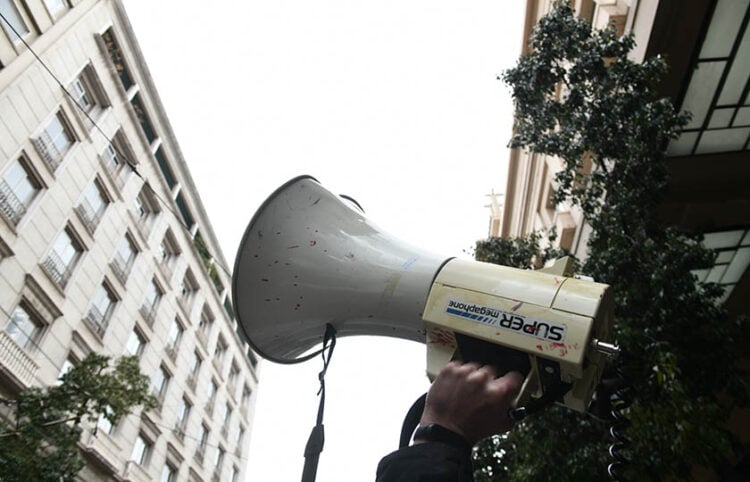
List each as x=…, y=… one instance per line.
x=105, y=246
x=707, y=45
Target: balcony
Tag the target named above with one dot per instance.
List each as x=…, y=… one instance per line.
x=89, y=215
x=115, y=170
x=191, y=382
x=15, y=360
x=96, y=321
x=149, y=314
x=121, y=268
x=49, y=151
x=179, y=431
x=10, y=206
x=200, y=452
x=134, y=472
x=57, y=269
x=102, y=447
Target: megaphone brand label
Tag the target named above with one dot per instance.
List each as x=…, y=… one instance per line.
x=543, y=330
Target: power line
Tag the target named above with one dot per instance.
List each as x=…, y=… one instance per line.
x=132, y=165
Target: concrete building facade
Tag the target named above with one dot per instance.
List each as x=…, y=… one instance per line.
x=105, y=246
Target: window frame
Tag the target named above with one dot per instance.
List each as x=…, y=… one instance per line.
x=148, y=310
x=22, y=17
x=89, y=214
x=54, y=260
x=145, y=452
x=174, y=337
x=142, y=339
x=45, y=141
x=27, y=341
x=166, y=377
x=9, y=194
x=95, y=319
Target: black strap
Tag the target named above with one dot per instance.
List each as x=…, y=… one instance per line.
x=315, y=443
x=411, y=421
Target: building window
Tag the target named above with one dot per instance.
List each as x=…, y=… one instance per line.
x=117, y=58
x=92, y=205
x=65, y=368
x=183, y=413
x=227, y=418
x=188, y=289
x=17, y=27
x=112, y=159
x=195, y=368
x=202, y=442
x=141, y=450
x=168, y=252
x=89, y=96
x=62, y=258
x=136, y=343
x=213, y=388
x=115, y=158
x=732, y=250
x=173, y=341
x=103, y=423
x=23, y=327
x=168, y=474
x=55, y=6
x=219, y=353
x=146, y=207
x=18, y=188
x=83, y=91
x=218, y=462
x=143, y=119
x=234, y=374
x=55, y=141
x=101, y=309
x=124, y=257
x=166, y=170
x=160, y=384
x=205, y=324
x=245, y=402
x=240, y=439
x=151, y=302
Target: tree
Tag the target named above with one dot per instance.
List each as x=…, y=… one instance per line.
x=579, y=97
x=39, y=440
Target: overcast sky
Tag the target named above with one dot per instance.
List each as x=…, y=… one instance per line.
x=394, y=103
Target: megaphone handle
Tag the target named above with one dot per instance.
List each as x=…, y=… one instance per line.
x=411, y=421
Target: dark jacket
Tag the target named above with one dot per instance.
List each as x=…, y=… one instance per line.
x=426, y=462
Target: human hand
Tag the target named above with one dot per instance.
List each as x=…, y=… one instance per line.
x=471, y=400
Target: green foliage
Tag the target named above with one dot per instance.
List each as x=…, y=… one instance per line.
x=578, y=97
x=524, y=253
x=39, y=441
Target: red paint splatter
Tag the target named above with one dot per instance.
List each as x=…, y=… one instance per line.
x=561, y=346
x=539, y=347
x=442, y=337
x=557, y=281
x=313, y=242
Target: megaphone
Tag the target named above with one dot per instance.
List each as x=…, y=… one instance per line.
x=310, y=259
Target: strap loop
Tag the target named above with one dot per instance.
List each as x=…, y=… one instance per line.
x=317, y=437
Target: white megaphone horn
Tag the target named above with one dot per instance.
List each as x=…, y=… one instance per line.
x=310, y=259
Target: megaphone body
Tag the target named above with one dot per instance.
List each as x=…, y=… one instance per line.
x=310, y=259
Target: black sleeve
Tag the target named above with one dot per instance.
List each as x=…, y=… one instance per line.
x=426, y=462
